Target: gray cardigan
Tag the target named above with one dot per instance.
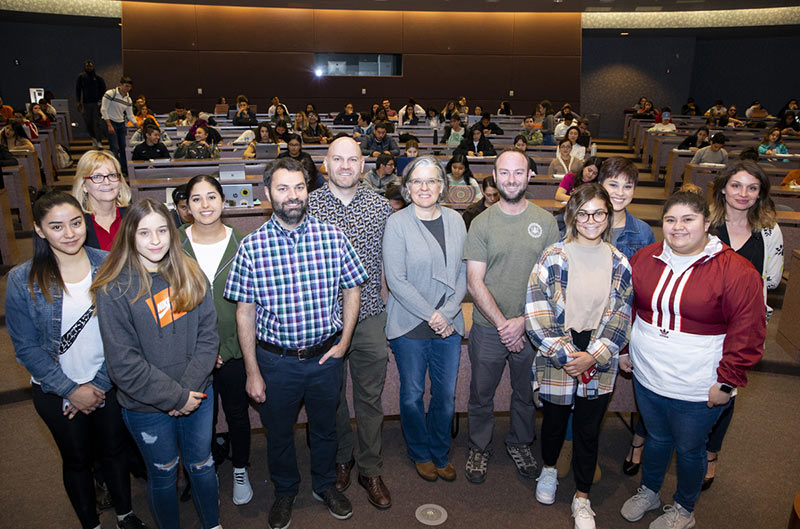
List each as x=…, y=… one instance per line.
x=416, y=273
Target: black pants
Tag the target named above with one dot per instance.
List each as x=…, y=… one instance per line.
x=75, y=438
x=229, y=383
x=587, y=416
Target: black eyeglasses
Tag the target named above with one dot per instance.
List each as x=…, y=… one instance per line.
x=98, y=178
x=598, y=216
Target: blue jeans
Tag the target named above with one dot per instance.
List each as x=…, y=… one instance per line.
x=548, y=139
x=158, y=437
x=428, y=439
x=291, y=382
x=117, y=143
x=680, y=425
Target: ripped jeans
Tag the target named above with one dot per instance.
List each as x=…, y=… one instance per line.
x=159, y=437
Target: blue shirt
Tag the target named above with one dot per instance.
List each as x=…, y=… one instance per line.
x=294, y=278
x=635, y=235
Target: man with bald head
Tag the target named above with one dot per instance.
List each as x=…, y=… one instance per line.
x=361, y=214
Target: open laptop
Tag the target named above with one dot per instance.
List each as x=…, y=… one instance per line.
x=221, y=109
x=238, y=195
x=234, y=171
x=232, y=113
x=181, y=131
x=266, y=151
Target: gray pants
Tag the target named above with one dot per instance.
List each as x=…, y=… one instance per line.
x=94, y=124
x=488, y=357
x=367, y=358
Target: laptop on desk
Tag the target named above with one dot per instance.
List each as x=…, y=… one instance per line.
x=234, y=171
x=238, y=195
x=181, y=132
x=221, y=109
x=232, y=113
x=266, y=151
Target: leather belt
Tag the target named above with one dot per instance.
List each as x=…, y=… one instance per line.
x=302, y=354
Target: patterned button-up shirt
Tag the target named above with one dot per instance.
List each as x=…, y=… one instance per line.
x=294, y=278
x=363, y=221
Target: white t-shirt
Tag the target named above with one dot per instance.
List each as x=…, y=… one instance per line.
x=210, y=255
x=84, y=358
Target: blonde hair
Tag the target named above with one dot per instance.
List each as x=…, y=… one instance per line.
x=186, y=280
x=90, y=161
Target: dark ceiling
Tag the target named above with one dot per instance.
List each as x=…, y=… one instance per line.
x=505, y=5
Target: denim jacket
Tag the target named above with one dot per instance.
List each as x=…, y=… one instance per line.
x=635, y=235
x=35, y=329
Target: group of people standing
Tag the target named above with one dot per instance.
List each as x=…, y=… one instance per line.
x=140, y=339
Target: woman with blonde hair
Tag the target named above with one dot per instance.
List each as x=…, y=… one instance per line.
x=102, y=192
x=158, y=326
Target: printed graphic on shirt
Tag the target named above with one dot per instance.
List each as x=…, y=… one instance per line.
x=164, y=307
x=534, y=230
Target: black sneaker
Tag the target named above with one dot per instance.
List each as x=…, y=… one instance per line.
x=337, y=503
x=131, y=522
x=477, y=463
x=280, y=514
x=523, y=459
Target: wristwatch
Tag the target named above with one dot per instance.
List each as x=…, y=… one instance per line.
x=725, y=388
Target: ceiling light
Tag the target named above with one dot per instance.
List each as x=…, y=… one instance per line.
x=624, y=33
x=318, y=72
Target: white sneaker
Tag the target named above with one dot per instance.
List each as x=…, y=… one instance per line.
x=583, y=513
x=546, y=485
x=644, y=500
x=674, y=517
x=242, y=491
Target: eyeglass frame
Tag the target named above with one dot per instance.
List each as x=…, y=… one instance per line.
x=98, y=178
x=591, y=215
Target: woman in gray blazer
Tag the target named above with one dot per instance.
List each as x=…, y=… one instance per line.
x=427, y=279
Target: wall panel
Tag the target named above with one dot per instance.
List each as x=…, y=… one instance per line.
x=253, y=29
x=547, y=34
x=341, y=31
x=458, y=33
x=158, y=26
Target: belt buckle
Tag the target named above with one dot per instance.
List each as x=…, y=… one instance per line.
x=300, y=353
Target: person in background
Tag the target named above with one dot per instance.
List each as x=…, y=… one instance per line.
x=158, y=327
x=454, y=133
x=244, y=117
x=573, y=135
x=275, y=102
x=71, y=389
x=182, y=214
x=490, y=196
x=521, y=144
x=382, y=117
x=459, y=174
x=450, y=109
x=477, y=110
x=117, y=110
x=152, y=148
x=485, y=124
x=578, y=317
x=316, y=132
x=462, y=107
x=532, y=135
x=572, y=181
x=177, y=115
x=714, y=153
x=103, y=195
x=424, y=320
x=664, y=122
x=203, y=147
x=38, y=116
x=773, y=144
x=640, y=104
x=31, y=130
x=411, y=151
x=143, y=114
x=789, y=124
x=390, y=113
x=263, y=134
x=6, y=112
x=15, y=138
x=432, y=119
x=476, y=144
x=418, y=110
x=395, y=197
x=689, y=355
x=280, y=114
x=347, y=116
x=300, y=122
x=282, y=131
x=717, y=111
x=140, y=134
x=564, y=163
x=505, y=109
x=544, y=119
x=214, y=244
x=733, y=118
x=690, y=108
x=379, y=142
x=383, y=174
x=294, y=150
x=89, y=90
x=696, y=141
x=408, y=117
x=362, y=128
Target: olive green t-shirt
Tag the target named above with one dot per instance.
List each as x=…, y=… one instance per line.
x=510, y=245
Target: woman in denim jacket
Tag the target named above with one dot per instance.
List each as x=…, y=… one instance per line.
x=53, y=326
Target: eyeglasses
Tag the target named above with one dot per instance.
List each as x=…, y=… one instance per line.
x=429, y=182
x=98, y=178
x=598, y=216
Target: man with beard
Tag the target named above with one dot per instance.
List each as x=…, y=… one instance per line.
x=503, y=244
x=89, y=90
x=286, y=278
x=349, y=203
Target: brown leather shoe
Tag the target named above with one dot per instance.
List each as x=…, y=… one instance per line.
x=447, y=473
x=377, y=493
x=343, y=475
x=427, y=471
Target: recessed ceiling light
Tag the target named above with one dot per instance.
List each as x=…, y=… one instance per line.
x=624, y=33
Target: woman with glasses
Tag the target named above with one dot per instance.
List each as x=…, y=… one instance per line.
x=427, y=279
x=104, y=196
x=578, y=315
x=564, y=163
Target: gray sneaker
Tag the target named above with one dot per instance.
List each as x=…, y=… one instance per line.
x=523, y=459
x=477, y=461
x=674, y=517
x=644, y=500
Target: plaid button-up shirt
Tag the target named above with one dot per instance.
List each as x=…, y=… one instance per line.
x=294, y=278
x=544, y=321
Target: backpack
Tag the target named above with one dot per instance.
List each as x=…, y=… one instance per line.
x=63, y=158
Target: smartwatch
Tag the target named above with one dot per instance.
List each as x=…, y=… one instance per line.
x=725, y=388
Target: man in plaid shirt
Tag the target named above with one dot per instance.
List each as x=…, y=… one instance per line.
x=286, y=278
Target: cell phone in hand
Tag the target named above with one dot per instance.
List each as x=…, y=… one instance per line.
x=588, y=375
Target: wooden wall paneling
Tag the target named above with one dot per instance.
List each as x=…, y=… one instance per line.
x=151, y=26
x=448, y=77
x=547, y=34
x=342, y=31
x=167, y=74
x=221, y=28
x=553, y=78
x=457, y=33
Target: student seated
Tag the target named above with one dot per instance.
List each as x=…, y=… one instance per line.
x=532, y=134
x=379, y=142
x=382, y=175
x=571, y=181
x=275, y=103
x=38, y=116
x=696, y=141
x=280, y=114
x=564, y=162
x=411, y=152
x=316, y=132
x=717, y=111
x=181, y=214
x=394, y=194
x=664, y=122
x=459, y=174
x=142, y=114
x=363, y=127
x=263, y=134
x=714, y=153
x=31, y=130
x=152, y=148
x=282, y=131
x=177, y=116
x=455, y=132
x=418, y=110
x=408, y=116
x=139, y=136
x=244, y=117
x=773, y=144
x=201, y=148
x=15, y=138
x=486, y=125
x=490, y=196
x=294, y=150
x=346, y=116
x=476, y=144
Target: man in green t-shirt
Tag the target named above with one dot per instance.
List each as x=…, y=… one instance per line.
x=503, y=244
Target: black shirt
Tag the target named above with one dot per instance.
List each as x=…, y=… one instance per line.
x=148, y=152
x=752, y=249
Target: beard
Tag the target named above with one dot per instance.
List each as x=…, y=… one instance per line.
x=512, y=198
x=290, y=216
